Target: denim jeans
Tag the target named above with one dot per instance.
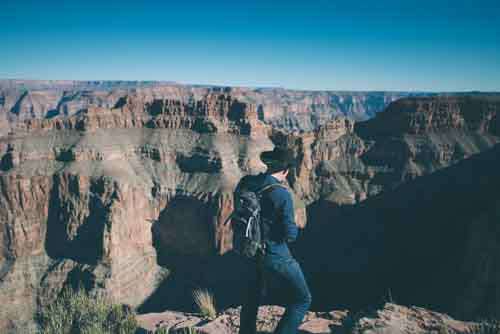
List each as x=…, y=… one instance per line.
x=288, y=275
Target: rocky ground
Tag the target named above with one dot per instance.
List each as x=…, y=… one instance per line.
x=389, y=319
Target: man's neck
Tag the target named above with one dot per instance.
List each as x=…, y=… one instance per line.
x=277, y=176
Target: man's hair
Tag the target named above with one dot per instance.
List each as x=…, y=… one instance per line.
x=279, y=159
x=278, y=170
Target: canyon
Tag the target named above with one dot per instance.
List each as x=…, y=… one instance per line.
x=288, y=109
x=124, y=188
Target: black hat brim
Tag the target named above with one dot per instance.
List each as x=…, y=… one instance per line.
x=276, y=160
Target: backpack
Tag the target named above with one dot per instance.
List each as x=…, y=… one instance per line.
x=248, y=237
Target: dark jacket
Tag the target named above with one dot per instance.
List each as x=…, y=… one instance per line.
x=277, y=213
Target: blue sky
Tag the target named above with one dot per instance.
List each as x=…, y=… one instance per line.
x=321, y=45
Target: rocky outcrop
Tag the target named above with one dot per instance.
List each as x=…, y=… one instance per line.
x=228, y=321
x=423, y=115
x=316, y=150
x=418, y=136
x=394, y=318
x=389, y=318
x=345, y=163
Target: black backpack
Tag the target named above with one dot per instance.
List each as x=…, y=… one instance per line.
x=248, y=236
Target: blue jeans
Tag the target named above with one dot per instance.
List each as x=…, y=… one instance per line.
x=289, y=276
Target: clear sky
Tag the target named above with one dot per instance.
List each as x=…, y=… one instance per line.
x=312, y=44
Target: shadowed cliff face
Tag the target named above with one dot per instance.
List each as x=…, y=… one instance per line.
x=420, y=243
x=78, y=210
x=356, y=251
x=185, y=227
x=131, y=199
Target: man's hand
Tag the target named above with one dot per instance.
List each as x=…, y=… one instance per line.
x=300, y=217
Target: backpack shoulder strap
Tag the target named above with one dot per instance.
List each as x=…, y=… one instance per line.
x=269, y=186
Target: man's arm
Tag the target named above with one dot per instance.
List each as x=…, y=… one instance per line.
x=236, y=193
x=287, y=213
x=241, y=185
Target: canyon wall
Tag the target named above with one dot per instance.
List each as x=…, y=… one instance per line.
x=346, y=162
x=126, y=189
x=282, y=108
x=85, y=197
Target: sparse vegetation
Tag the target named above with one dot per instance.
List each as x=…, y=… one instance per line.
x=206, y=303
x=485, y=327
x=75, y=312
x=389, y=296
x=189, y=330
x=165, y=330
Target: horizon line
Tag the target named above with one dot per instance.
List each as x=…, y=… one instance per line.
x=210, y=85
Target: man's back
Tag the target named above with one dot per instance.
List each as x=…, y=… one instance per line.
x=279, y=229
x=278, y=217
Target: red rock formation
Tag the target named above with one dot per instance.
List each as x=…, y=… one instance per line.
x=417, y=136
x=289, y=109
x=433, y=114
x=80, y=196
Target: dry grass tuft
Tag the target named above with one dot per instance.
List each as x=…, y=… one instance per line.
x=206, y=303
x=165, y=330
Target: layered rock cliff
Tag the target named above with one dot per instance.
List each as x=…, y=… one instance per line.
x=127, y=192
x=286, y=109
x=89, y=196
x=346, y=162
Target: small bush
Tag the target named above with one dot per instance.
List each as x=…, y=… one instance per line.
x=162, y=330
x=75, y=312
x=482, y=327
x=165, y=330
x=206, y=303
x=189, y=330
x=485, y=327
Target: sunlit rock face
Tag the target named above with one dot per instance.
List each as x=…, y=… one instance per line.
x=125, y=189
x=94, y=196
x=346, y=162
x=281, y=108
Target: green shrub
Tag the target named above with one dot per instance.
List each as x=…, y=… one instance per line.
x=75, y=312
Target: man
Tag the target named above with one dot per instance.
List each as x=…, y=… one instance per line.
x=279, y=229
